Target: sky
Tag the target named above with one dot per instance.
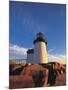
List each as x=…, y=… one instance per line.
x=27, y=19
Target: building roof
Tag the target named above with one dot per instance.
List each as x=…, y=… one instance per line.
x=39, y=37
x=30, y=51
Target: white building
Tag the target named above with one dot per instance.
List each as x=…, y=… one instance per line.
x=30, y=55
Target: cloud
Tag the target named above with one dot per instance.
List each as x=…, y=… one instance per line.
x=20, y=52
x=57, y=58
x=17, y=50
x=50, y=50
x=53, y=56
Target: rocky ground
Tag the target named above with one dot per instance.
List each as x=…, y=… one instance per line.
x=36, y=75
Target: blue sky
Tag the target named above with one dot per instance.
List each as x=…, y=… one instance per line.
x=26, y=19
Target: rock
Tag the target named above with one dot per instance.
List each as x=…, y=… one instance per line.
x=19, y=81
x=37, y=75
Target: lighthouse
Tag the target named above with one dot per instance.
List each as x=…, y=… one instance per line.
x=40, y=51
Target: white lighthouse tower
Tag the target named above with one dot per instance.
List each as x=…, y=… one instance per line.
x=40, y=51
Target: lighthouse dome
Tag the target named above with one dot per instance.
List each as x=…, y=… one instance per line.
x=39, y=37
